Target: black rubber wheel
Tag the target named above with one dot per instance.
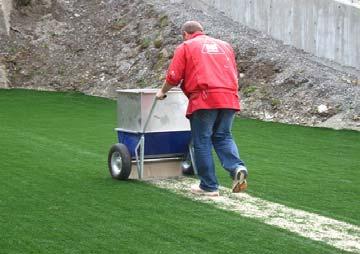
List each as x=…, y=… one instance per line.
x=186, y=165
x=187, y=168
x=119, y=162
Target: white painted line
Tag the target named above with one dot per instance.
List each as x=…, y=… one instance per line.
x=336, y=233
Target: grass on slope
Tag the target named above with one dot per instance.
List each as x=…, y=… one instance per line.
x=56, y=195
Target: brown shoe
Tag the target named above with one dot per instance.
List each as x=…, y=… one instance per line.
x=195, y=189
x=239, y=182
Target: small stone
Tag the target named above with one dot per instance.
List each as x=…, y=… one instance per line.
x=322, y=108
x=356, y=118
x=25, y=72
x=164, y=53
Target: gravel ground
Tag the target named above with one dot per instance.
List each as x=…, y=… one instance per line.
x=281, y=83
x=98, y=46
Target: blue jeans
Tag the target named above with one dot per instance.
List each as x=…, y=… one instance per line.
x=212, y=127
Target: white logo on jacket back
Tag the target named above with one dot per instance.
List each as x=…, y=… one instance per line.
x=211, y=48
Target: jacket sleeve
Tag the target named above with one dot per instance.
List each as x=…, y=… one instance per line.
x=176, y=69
x=233, y=59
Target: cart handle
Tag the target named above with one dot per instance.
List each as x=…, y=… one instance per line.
x=151, y=112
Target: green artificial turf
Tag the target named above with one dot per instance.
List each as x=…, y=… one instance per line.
x=56, y=195
x=314, y=169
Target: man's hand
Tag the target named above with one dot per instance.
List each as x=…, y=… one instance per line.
x=160, y=95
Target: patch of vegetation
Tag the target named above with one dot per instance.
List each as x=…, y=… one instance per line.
x=164, y=54
x=164, y=20
x=119, y=24
x=161, y=60
x=264, y=93
x=141, y=83
x=61, y=70
x=275, y=103
x=13, y=49
x=158, y=42
x=160, y=64
x=249, y=90
x=20, y=3
x=145, y=43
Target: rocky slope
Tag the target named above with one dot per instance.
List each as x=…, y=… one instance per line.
x=98, y=46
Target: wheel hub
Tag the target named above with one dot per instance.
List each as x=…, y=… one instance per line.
x=116, y=163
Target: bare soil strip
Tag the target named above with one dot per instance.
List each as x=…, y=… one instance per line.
x=336, y=233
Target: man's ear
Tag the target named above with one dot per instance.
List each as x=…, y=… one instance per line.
x=184, y=35
x=187, y=35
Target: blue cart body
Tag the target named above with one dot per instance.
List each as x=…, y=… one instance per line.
x=157, y=144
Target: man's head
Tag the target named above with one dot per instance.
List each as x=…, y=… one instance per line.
x=190, y=27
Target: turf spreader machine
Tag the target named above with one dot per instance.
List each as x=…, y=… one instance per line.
x=153, y=136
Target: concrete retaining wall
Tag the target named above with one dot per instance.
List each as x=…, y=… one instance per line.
x=325, y=28
x=4, y=83
x=5, y=10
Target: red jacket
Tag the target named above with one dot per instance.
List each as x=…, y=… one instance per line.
x=207, y=69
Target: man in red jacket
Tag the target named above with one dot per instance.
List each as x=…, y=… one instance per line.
x=206, y=69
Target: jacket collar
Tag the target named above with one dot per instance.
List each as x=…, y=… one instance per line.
x=196, y=34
